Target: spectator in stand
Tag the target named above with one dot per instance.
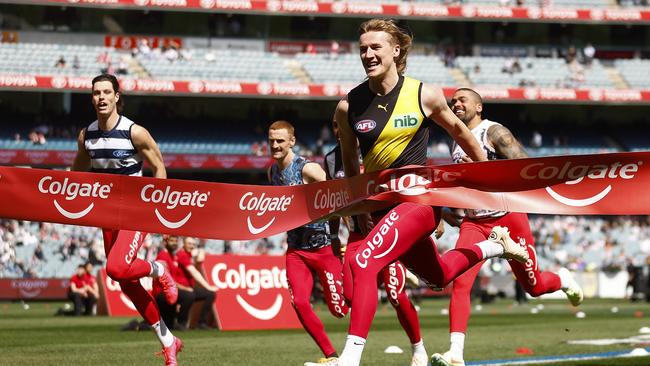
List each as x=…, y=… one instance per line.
x=143, y=48
x=76, y=64
x=334, y=49
x=191, y=275
x=81, y=294
x=170, y=53
x=60, y=63
x=123, y=66
x=589, y=52
x=536, y=140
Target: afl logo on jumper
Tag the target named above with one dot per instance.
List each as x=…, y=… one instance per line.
x=364, y=126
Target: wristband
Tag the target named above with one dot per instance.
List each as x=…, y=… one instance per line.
x=334, y=236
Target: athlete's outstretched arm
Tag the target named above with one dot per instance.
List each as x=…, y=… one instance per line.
x=505, y=144
x=82, y=159
x=146, y=145
x=435, y=107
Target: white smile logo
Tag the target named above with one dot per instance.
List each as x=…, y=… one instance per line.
x=261, y=205
x=257, y=230
x=70, y=191
x=261, y=314
x=253, y=282
x=377, y=241
x=578, y=173
x=173, y=199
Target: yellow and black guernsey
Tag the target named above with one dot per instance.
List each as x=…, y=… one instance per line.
x=392, y=129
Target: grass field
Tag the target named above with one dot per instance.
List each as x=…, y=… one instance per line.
x=35, y=337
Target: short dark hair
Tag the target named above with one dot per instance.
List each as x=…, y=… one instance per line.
x=476, y=95
x=116, y=87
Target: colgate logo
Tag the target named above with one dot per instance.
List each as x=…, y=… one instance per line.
x=133, y=247
x=577, y=173
x=261, y=205
x=331, y=201
x=72, y=190
x=366, y=125
x=172, y=199
x=531, y=264
x=412, y=184
x=253, y=281
x=336, y=299
x=394, y=286
x=377, y=241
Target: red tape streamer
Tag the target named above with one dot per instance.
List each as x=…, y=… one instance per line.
x=603, y=184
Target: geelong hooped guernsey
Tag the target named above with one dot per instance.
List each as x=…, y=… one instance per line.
x=392, y=129
x=310, y=236
x=113, y=151
x=480, y=132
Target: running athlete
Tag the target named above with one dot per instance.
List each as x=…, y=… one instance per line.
x=394, y=276
x=499, y=143
x=388, y=117
x=309, y=245
x=114, y=144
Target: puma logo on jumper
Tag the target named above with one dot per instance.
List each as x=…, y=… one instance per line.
x=384, y=107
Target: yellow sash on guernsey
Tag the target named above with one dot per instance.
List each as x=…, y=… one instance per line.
x=400, y=128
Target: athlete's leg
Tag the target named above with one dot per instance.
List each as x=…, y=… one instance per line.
x=459, y=304
x=354, y=242
x=301, y=283
x=123, y=266
x=329, y=270
x=394, y=278
x=535, y=282
x=406, y=228
x=122, y=262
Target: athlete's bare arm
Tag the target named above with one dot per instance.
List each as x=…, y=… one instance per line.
x=349, y=143
x=435, y=107
x=82, y=159
x=505, y=144
x=312, y=172
x=350, y=155
x=146, y=145
x=198, y=277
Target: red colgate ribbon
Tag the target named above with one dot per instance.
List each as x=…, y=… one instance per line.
x=603, y=184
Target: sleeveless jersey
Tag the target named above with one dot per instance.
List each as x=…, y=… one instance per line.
x=310, y=236
x=113, y=151
x=480, y=132
x=392, y=129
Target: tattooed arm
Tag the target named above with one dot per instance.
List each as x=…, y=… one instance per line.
x=505, y=144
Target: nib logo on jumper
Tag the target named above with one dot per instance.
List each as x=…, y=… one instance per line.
x=172, y=199
x=70, y=191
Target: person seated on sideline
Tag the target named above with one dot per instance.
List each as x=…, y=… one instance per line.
x=198, y=287
x=81, y=294
x=166, y=255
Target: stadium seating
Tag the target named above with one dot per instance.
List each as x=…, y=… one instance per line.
x=37, y=58
x=635, y=72
x=226, y=65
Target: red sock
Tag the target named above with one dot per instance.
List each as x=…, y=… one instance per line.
x=143, y=301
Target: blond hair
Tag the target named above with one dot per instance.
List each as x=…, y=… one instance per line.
x=398, y=36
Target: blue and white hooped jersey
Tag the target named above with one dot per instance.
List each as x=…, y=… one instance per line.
x=113, y=151
x=306, y=237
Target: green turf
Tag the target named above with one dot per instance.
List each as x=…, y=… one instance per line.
x=35, y=337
